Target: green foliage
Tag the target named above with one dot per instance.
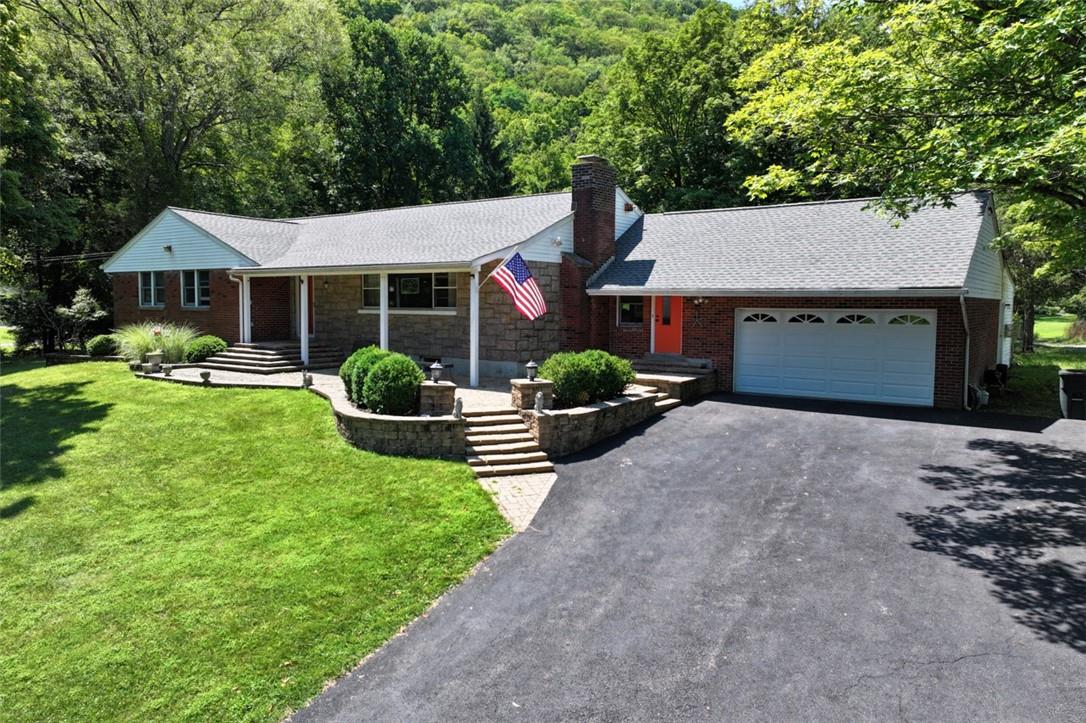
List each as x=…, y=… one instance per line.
x=919, y=100
x=171, y=530
x=392, y=386
x=72, y=321
x=585, y=377
x=203, y=347
x=353, y=372
x=136, y=340
x=102, y=345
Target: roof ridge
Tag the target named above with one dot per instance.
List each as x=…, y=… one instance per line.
x=825, y=202
x=234, y=215
x=296, y=219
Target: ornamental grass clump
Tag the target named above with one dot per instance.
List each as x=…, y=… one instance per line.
x=135, y=341
x=586, y=377
x=353, y=371
x=392, y=386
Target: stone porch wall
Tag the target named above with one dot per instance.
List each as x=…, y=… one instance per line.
x=504, y=335
x=566, y=431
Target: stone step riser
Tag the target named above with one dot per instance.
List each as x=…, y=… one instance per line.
x=247, y=370
x=495, y=428
x=493, y=421
x=507, y=411
x=509, y=458
x=505, y=470
x=507, y=448
x=481, y=440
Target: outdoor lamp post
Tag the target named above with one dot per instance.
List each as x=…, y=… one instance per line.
x=531, y=367
x=435, y=371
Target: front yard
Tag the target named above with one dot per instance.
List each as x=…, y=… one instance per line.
x=172, y=552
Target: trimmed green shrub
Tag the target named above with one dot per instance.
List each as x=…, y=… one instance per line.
x=358, y=365
x=102, y=345
x=203, y=347
x=136, y=340
x=392, y=385
x=586, y=377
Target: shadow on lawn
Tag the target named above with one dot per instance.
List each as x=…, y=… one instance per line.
x=1017, y=513
x=37, y=424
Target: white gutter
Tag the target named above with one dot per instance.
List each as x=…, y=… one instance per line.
x=647, y=291
x=349, y=270
x=965, y=374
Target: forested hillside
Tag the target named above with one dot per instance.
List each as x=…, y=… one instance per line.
x=111, y=110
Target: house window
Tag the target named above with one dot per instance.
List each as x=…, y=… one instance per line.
x=196, y=289
x=855, y=319
x=910, y=320
x=760, y=318
x=806, y=319
x=411, y=291
x=152, y=288
x=371, y=291
x=631, y=309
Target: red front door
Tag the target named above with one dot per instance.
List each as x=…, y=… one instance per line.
x=668, y=320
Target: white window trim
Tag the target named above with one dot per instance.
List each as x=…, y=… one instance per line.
x=197, y=306
x=432, y=311
x=156, y=303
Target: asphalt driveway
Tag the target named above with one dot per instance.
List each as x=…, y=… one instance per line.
x=745, y=560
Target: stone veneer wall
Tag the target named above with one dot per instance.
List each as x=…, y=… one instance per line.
x=504, y=335
x=407, y=436
x=566, y=431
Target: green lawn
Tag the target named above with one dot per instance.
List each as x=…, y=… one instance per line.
x=7, y=339
x=1052, y=328
x=174, y=552
x=1034, y=384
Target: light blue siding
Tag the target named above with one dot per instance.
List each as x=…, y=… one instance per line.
x=190, y=248
x=623, y=218
x=985, y=276
x=543, y=246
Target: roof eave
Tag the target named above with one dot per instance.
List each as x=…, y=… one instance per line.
x=783, y=293
x=351, y=269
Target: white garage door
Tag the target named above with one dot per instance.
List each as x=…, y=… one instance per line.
x=854, y=354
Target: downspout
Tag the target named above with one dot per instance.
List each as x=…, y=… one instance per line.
x=965, y=373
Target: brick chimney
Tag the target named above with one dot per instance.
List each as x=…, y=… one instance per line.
x=584, y=319
x=594, y=183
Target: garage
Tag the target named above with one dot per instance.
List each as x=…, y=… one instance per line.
x=866, y=355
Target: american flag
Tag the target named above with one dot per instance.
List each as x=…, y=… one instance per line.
x=516, y=279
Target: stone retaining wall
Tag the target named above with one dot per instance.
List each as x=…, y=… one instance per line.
x=566, y=431
x=407, y=436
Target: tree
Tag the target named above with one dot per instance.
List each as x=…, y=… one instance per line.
x=168, y=78
x=72, y=321
x=495, y=178
x=399, y=112
x=922, y=99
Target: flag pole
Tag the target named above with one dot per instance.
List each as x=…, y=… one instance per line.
x=503, y=262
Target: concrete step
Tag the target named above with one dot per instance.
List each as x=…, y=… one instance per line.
x=499, y=428
x=667, y=403
x=491, y=420
x=247, y=369
x=507, y=458
x=505, y=448
x=488, y=438
x=499, y=470
x=228, y=358
x=488, y=412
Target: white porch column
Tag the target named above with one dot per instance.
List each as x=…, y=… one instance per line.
x=246, y=315
x=652, y=324
x=473, y=343
x=303, y=318
x=384, y=310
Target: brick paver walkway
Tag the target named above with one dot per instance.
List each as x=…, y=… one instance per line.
x=519, y=497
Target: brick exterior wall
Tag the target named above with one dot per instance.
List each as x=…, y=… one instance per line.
x=585, y=324
x=270, y=311
x=983, y=315
x=709, y=333
x=504, y=335
x=220, y=318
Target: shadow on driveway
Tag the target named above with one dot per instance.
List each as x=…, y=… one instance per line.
x=1020, y=511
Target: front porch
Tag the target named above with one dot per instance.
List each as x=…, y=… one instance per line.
x=451, y=315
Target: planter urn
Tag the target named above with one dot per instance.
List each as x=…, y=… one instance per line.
x=205, y=376
x=154, y=358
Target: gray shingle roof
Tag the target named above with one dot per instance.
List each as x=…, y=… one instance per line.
x=795, y=247
x=260, y=239
x=440, y=233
